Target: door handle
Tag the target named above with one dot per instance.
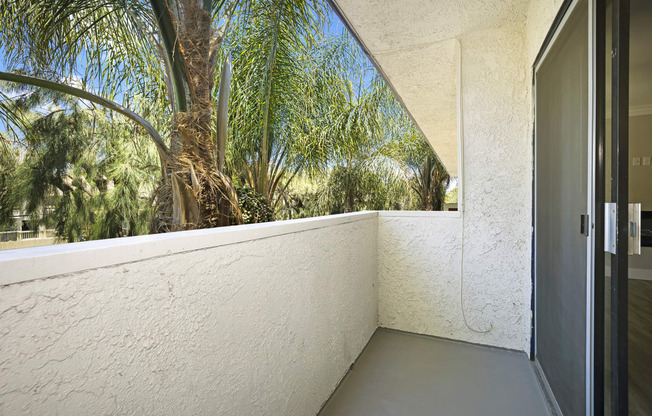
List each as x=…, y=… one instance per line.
x=634, y=234
x=610, y=229
x=584, y=225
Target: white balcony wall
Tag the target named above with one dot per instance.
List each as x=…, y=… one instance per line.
x=419, y=273
x=420, y=284
x=250, y=320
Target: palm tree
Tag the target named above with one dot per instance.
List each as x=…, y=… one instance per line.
x=167, y=51
x=280, y=68
x=358, y=135
x=429, y=178
x=430, y=183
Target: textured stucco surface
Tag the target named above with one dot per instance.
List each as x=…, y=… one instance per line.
x=497, y=192
x=540, y=16
x=497, y=113
x=419, y=286
x=389, y=25
x=419, y=275
x=265, y=327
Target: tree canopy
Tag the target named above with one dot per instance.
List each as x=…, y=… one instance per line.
x=135, y=116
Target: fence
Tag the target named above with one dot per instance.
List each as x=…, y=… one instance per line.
x=6, y=236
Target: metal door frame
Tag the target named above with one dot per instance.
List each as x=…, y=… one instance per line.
x=620, y=195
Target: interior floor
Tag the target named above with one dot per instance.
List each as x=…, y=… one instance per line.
x=407, y=374
x=639, y=310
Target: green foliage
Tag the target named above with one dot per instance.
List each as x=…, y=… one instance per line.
x=301, y=199
x=9, y=199
x=80, y=171
x=108, y=43
x=360, y=189
x=451, y=196
x=276, y=127
x=254, y=206
x=313, y=129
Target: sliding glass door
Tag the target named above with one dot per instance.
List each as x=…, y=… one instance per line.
x=582, y=221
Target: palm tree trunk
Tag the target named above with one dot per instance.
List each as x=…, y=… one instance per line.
x=194, y=192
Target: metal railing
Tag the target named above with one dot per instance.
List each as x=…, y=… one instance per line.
x=6, y=236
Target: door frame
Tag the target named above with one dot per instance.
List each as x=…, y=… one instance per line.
x=620, y=195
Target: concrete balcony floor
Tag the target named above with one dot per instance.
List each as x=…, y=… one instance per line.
x=406, y=374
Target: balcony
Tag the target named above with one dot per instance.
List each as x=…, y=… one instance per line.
x=371, y=313
x=259, y=319
x=23, y=239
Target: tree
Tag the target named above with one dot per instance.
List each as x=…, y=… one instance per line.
x=164, y=50
x=300, y=104
x=356, y=135
x=280, y=76
x=429, y=178
x=77, y=169
x=364, y=168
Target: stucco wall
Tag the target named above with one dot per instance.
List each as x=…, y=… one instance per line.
x=492, y=239
x=496, y=97
x=540, y=16
x=420, y=285
x=498, y=159
x=497, y=195
x=419, y=273
x=265, y=326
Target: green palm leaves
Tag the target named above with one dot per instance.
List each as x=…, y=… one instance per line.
x=247, y=91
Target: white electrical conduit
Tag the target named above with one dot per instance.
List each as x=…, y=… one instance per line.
x=460, y=183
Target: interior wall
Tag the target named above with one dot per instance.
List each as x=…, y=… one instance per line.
x=640, y=185
x=640, y=146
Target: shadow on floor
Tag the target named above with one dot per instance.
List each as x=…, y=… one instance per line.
x=406, y=374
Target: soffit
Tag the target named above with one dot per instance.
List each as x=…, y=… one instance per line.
x=413, y=42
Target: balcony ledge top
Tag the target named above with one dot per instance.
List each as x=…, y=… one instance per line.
x=26, y=264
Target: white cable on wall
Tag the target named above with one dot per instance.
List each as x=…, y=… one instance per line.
x=460, y=183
